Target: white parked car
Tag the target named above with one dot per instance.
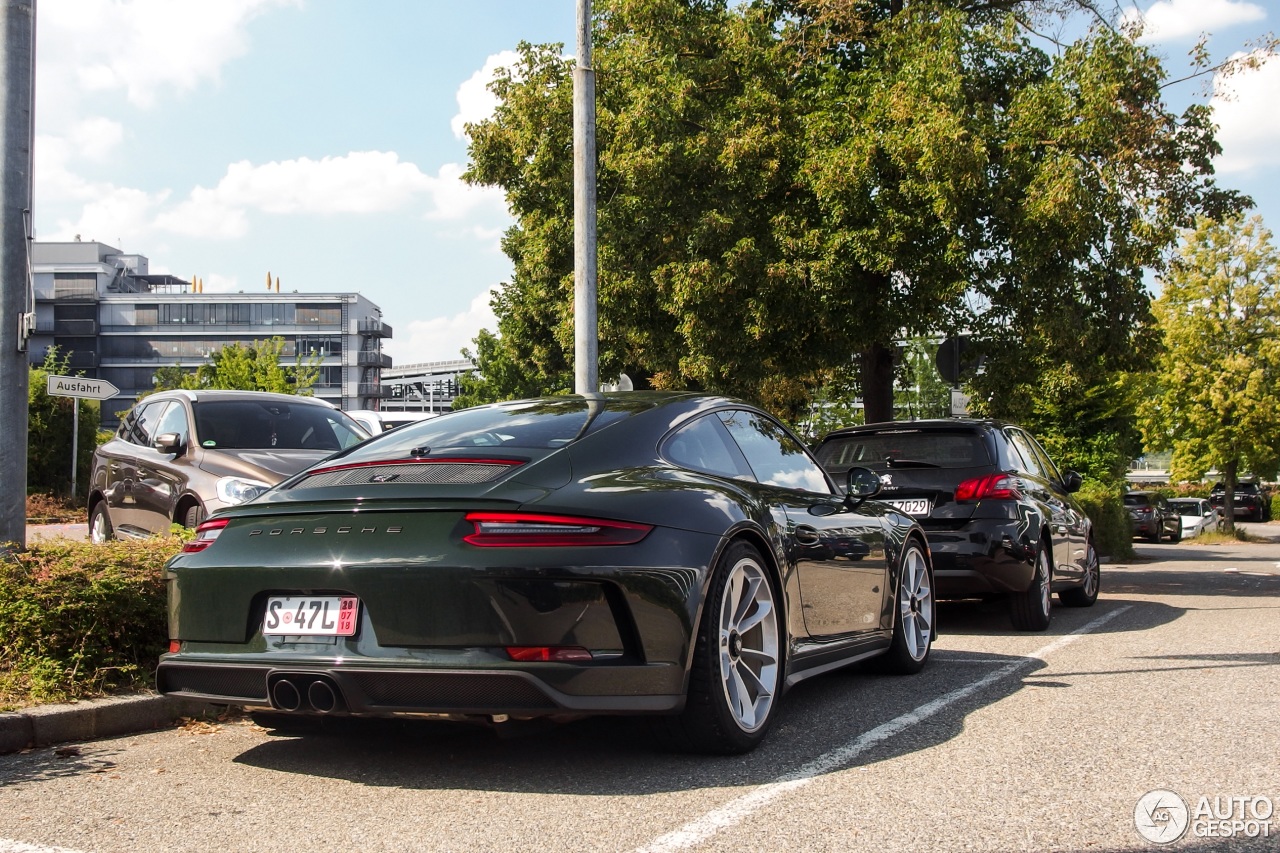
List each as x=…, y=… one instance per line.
x=380, y=422
x=1197, y=515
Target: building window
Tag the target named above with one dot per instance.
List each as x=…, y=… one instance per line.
x=68, y=285
x=322, y=315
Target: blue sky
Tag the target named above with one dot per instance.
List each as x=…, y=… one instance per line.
x=320, y=140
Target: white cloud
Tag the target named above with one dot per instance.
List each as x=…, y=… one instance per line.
x=144, y=47
x=215, y=283
x=1248, y=123
x=1176, y=19
x=453, y=198
x=362, y=182
x=95, y=138
x=442, y=338
x=475, y=101
x=115, y=216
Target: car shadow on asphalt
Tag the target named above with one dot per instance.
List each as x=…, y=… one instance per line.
x=607, y=756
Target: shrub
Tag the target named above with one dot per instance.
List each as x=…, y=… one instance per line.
x=1112, y=532
x=80, y=620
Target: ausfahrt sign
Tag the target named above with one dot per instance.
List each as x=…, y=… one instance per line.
x=78, y=386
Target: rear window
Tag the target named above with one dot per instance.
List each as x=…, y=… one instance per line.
x=1185, y=507
x=933, y=448
x=1137, y=500
x=524, y=425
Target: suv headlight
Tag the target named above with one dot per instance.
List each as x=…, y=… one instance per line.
x=237, y=490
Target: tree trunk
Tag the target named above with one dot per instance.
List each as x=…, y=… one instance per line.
x=877, y=383
x=1229, y=473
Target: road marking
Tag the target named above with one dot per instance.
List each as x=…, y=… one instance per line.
x=7, y=846
x=736, y=810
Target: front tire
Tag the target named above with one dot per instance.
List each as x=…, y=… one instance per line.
x=1087, y=593
x=194, y=515
x=913, y=626
x=1030, y=610
x=1176, y=535
x=737, y=661
x=100, y=529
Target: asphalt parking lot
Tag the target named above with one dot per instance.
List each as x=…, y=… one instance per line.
x=1008, y=741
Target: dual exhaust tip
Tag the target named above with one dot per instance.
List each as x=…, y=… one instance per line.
x=315, y=693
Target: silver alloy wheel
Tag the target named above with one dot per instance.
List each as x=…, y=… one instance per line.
x=98, y=532
x=748, y=644
x=915, y=604
x=1042, y=577
x=1090, y=585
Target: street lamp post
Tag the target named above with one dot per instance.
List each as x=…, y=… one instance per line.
x=586, y=370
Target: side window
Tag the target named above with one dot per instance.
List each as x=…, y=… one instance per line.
x=1030, y=461
x=1043, y=459
x=174, y=419
x=143, y=429
x=704, y=445
x=345, y=435
x=776, y=458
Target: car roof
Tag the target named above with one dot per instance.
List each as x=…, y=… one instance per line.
x=928, y=423
x=210, y=395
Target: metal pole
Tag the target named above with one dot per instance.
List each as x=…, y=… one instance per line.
x=586, y=368
x=17, y=65
x=75, y=442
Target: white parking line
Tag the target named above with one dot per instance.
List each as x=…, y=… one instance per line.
x=7, y=846
x=697, y=831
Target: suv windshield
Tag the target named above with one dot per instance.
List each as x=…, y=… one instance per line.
x=932, y=448
x=262, y=425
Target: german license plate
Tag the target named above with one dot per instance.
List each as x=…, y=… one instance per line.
x=311, y=615
x=912, y=506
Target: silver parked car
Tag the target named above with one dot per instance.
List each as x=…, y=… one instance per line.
x=180, y=455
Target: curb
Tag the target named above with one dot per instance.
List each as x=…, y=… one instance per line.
x=92, y=718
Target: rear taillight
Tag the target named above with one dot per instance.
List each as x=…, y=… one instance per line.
x=517, y=529
x=991, y=487
x=206, y=533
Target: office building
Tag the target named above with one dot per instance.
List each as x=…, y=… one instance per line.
x=119, y=322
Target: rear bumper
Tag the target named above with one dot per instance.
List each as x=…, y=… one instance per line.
x=369, y=689
x=988, y=556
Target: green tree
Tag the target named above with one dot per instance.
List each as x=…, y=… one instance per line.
x=1217, y=383
x=788, y=188
x=50, y=421
x=256, y=367
x=921, y=393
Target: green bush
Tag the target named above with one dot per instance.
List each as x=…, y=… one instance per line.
x=80, y=620
x=1112, y=532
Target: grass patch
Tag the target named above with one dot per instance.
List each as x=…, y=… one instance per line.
x=54, y=509
x=1221, y=537
x=79, y=620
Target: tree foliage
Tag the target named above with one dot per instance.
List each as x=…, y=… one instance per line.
x=239, y=367
x=1216, y=387
x=50, y=423
x=787, y=189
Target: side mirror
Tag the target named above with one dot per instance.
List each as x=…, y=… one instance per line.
x=862, y=483
x=1072, y=481
x=168, y=442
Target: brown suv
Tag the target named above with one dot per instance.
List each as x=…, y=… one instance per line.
x=180, y=455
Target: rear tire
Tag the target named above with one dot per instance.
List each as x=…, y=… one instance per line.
x=913, y=624
x=1087, y=593
x=737, y=661
x=100, y=529
x=1031, y=610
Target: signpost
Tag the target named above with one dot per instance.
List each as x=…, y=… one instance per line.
x=81, y=389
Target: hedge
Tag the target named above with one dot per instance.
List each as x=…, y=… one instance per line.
x=79, y=620
x=1112, y=531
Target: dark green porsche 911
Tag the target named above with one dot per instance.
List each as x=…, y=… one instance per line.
x=672, y=555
